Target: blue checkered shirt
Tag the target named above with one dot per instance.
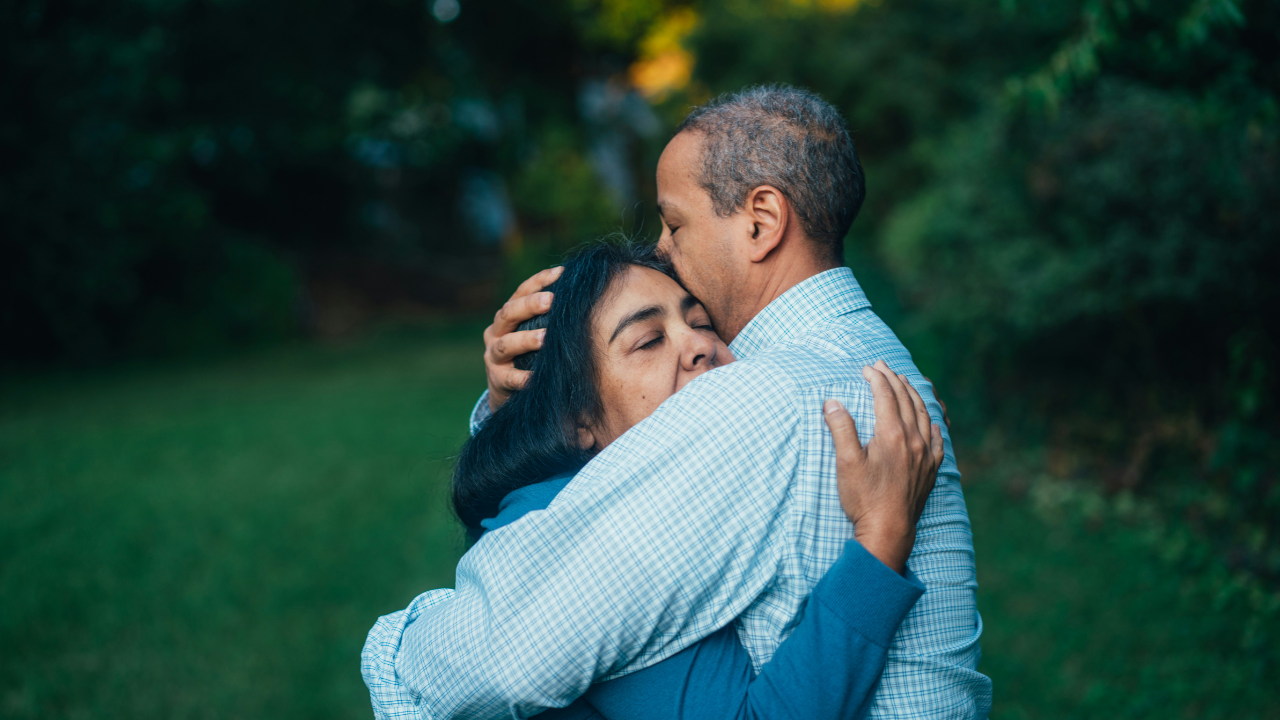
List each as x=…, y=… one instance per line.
x=719, y=508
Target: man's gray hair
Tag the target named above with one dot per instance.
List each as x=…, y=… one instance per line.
x=790, y=139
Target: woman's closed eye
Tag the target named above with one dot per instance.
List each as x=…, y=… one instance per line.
x=698, y=320
x=652, y=342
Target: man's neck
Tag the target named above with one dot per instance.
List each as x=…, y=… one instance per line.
x=771, y=280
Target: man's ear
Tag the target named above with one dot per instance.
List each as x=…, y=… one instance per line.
x=586, y=439
x=768, y=211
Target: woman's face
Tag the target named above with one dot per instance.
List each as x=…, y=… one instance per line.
x=651, y=338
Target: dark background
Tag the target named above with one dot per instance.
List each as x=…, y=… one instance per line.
x=216, y=213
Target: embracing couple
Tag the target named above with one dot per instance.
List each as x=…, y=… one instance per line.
x=657, y=540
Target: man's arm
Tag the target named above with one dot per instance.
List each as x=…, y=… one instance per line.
x=391, y=698
x=665, y=537
x=932, y=665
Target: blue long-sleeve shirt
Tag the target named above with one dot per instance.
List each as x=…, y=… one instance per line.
x=828, y=668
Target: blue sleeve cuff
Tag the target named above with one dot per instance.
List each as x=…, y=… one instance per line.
x=867, y=595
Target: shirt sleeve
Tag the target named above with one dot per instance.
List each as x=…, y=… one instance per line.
x=932, y=667
x=828, y=669
x=609, y=573
x=480, y=412
x=391, y=698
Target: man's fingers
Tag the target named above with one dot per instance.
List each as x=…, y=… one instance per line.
x=518, y=309
x=512, y=379
x=888, y=417
x=507, y=347
x=921, y=412
x=845, y=433
x=538, y=281
x=502, y=343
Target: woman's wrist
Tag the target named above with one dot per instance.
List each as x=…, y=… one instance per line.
x=888, y=540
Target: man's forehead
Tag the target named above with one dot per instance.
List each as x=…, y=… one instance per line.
x=677, y=171
x=682, y=153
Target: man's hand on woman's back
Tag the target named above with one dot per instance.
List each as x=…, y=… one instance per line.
x=883, y=486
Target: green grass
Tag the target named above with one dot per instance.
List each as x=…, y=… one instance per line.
x=1104, y=618
x=215, y=541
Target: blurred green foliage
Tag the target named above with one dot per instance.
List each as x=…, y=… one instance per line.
x=1096, y=606
x=179, y=174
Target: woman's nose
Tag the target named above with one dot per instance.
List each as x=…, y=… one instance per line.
x=699, y=352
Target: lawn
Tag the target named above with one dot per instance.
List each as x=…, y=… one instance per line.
x=215, y=539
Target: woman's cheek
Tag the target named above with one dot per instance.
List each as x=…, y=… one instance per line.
x=655, y=382
x=634, y=387
x=724, y=355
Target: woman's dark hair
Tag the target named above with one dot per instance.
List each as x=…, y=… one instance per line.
x=534, y=434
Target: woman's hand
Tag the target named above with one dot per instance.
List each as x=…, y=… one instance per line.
x=883, y=487
x=502, y=344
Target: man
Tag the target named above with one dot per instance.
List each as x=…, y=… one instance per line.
x=721, y=507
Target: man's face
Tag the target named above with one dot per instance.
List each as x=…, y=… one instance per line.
x=699, y=243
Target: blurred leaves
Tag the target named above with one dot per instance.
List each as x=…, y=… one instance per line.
x=1099, y=256
x=1130, y=198
x=1167, y=36
x=148, y=144
x=665, y=64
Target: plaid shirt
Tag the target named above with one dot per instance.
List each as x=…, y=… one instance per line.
x=720, y=507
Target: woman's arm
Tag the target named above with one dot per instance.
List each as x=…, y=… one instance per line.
x=831, y=664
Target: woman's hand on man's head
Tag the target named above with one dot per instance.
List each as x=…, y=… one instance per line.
x=503, y=343
x=883, y=486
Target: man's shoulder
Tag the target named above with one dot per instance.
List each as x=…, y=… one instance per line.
x=775, y=386
x=833, y=351
x=741, y=386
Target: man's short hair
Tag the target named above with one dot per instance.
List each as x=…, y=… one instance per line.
x=788, y=138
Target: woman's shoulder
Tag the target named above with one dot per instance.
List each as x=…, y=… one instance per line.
x=524, y=500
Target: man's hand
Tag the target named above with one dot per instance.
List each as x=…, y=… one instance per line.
x=883, y=487
x=502, y=344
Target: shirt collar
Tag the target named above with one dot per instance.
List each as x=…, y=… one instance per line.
x=522, y=501
x=824, y=296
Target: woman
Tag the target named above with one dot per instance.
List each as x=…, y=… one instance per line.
x=621, y=337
